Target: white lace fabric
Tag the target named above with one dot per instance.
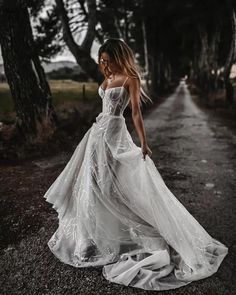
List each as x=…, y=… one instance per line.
x=115, y=211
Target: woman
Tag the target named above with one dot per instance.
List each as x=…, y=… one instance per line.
x=113, y=206
x=117, y=68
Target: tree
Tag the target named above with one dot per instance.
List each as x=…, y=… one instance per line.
x=48, y=33
x=36, y=119
x=82, y=53
x=231, y=58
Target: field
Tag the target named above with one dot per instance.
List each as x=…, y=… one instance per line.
x=64, y=92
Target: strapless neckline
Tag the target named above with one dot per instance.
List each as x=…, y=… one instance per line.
x=114, y=88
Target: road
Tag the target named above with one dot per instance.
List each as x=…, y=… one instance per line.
x=195, y=153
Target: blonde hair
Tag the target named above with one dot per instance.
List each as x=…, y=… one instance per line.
x=123, y=57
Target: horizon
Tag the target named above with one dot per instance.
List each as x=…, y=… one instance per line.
x=66, y=55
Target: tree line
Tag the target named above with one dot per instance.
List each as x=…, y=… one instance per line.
x=170, y=39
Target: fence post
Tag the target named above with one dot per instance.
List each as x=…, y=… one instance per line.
x=83, y=92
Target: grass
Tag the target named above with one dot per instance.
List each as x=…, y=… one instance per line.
x=62, y=91
x=6, y=103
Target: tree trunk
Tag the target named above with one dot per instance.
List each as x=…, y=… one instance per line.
x=214, y=53
x=229, y=62
x=81, y=53
x=36, y=119
x=152, y=51
x=203, y=61
x=154, y=75
x=146, y=57
x=162, y=78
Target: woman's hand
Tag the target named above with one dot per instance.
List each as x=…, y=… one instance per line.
x=146, y=151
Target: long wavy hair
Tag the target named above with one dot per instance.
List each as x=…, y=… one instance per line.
x=122, y=55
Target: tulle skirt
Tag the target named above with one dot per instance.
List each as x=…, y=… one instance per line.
x=115, y=211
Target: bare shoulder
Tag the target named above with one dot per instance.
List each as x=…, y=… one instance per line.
x=133, y=84
x=133, y=81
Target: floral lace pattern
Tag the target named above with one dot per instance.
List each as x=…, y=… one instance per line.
x=114, y=99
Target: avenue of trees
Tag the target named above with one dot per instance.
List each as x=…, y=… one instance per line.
x=171, y=39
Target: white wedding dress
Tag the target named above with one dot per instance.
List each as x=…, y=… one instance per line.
x=115, y=211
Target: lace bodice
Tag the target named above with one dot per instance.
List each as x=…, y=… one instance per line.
x=114, y=100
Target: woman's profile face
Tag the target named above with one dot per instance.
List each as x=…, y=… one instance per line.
x=107, y=63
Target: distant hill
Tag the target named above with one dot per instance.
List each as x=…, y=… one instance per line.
x=54, y=66
x=60, y=70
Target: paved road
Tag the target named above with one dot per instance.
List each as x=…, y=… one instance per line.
x=195, y=153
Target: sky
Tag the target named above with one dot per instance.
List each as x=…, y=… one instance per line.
x=66, y=55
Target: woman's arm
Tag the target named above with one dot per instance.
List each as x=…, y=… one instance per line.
x=134, y=91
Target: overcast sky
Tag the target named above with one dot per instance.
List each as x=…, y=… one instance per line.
x=66, y=55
